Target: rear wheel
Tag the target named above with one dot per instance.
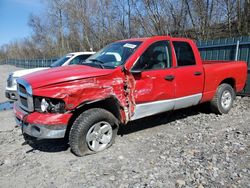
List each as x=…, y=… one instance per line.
x=93, y=131
x=223, y=99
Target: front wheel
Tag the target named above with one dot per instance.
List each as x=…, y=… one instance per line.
x=223, y=99
x=93, y=131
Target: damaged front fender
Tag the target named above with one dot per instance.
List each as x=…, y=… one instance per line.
x=77, y=93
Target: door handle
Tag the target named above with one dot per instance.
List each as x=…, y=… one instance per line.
x=197, y=73
x=169, y=77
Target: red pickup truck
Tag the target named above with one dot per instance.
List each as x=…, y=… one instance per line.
x=125, y=81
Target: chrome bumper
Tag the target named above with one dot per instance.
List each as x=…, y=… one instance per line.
x=42, y=131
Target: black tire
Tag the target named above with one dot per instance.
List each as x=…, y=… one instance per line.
x=216, y=103
x=84, y=123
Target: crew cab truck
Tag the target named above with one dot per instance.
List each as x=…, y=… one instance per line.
x=126, y=80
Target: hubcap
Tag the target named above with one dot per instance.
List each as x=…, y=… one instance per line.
x=226, y=99
x=99, y=136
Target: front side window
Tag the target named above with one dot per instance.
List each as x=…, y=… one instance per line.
x=184, y=54
x=113, y=55
x=157, y=56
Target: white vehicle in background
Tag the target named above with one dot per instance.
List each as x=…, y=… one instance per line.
x=69, y=59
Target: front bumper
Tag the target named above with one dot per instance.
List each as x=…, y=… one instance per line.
x=11, y=94
x=41, y=125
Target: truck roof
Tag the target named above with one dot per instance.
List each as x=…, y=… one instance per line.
x=160, y=37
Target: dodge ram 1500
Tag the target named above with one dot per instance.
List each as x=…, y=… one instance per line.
x=124, y=81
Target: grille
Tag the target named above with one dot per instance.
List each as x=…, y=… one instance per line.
x=9, y=81
x=25, y=98
x=24, y=101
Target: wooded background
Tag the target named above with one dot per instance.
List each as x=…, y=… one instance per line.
x=83, y=25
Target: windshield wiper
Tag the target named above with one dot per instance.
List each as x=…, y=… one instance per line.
x=98, y=62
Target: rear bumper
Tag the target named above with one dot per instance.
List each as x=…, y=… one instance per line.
x=42, y=126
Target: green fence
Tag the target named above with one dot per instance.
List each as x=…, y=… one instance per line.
x=227, y=49
x=29, y=63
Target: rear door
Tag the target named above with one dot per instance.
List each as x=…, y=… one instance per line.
x=154, y=86
x=189, y=76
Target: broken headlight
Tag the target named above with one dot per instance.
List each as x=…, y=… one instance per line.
x=49, y=105
x=44, y=105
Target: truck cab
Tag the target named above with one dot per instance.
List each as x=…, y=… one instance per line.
x=160, y=81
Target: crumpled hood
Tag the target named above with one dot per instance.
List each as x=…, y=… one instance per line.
x=63, y=74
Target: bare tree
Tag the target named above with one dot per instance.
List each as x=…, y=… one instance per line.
x=79, y=25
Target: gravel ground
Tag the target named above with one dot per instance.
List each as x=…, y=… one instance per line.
x=185, y=148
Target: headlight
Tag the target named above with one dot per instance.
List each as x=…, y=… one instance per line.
x=14, y=81
x=44, y=105
x=49, y=105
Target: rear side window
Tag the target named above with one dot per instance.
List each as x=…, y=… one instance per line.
x=184, y=54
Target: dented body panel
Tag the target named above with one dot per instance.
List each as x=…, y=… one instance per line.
x=136, y=95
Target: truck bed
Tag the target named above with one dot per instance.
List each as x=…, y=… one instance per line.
x=216, y=72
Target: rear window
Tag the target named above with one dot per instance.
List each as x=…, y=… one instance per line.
x=184, y=54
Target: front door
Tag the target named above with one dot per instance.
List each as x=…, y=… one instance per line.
x=154, y=81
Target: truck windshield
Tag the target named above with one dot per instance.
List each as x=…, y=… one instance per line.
x=61, y=61
x=113, y=55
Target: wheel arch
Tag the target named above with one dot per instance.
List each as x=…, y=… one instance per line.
x=110, y=104
x=231, y=81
